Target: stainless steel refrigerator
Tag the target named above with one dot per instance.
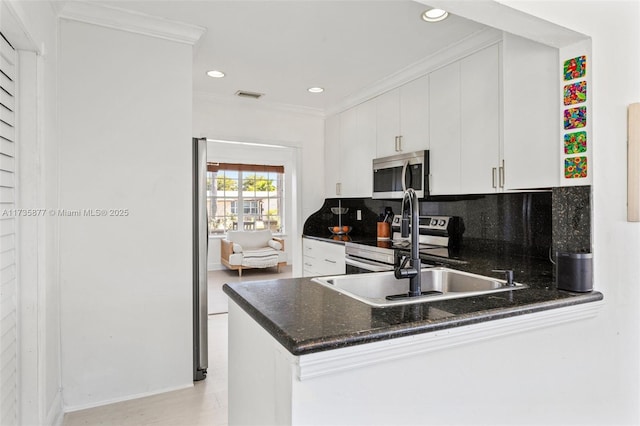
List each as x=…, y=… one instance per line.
x=200, y=246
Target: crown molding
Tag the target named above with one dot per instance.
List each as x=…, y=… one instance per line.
x=135, y=22
x=468, y=45
x=258, y=104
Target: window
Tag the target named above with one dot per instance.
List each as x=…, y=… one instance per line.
x=250, y=207
x=245, y=196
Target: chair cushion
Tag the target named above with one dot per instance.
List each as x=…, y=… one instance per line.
x=275, y=244
x=236, y=258
x=250, y=239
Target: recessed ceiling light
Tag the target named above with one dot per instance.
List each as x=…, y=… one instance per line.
x=215, y=74
x=434, y=15
x=315, y=89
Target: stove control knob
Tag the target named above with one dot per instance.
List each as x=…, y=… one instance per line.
x=442, y=222
x=434, y=222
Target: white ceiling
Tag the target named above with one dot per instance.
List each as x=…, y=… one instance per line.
x=280, y=48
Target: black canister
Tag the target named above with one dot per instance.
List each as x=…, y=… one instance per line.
x=574, y=272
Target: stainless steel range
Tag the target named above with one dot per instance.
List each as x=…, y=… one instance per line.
x=437, y=235
x=361, y=258
x=439, y=238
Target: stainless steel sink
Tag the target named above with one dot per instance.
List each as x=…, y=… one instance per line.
x=439, y=283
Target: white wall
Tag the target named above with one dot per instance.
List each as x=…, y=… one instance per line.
x=32, y=28
x=246, y=120
x=616, y=83
x=611, y=352
x=126, y=282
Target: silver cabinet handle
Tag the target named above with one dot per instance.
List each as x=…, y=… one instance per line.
x=399, y=143
x=493, y=177
x=395, y=148
x=501, y=180
x=338, y=188
x=330, y=261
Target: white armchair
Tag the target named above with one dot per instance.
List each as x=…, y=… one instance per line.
x=252, y=249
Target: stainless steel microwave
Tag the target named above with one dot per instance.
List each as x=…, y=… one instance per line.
x=393, y=175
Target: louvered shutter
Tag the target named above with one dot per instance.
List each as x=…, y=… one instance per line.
x=8, y=268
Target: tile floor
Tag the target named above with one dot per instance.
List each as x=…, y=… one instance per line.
x=203, y=404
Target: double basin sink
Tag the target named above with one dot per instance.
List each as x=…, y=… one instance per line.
x=438, y=283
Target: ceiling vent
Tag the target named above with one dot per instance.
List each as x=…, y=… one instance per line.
x=252, y=95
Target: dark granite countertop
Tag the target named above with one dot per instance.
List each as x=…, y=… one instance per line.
x=306, y=317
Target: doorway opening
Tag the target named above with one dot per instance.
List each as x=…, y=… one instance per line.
x=252, y=187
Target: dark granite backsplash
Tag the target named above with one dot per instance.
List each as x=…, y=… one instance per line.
x=572, y=219
x=528, y=222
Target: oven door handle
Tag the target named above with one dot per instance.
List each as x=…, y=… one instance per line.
x=369, y=266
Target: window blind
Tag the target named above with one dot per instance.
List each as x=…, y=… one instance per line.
x=214, y=167
x=8, y=267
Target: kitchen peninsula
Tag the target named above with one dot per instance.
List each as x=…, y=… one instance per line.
x=301, y=353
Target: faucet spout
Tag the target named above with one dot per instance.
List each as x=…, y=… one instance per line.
x=413, y=273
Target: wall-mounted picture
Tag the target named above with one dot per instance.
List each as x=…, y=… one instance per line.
x=575, y=118
x=575, y=143
x=575, y=93
x=575, y=68
x=575, y=167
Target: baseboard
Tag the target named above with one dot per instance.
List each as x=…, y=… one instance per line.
x=55, y=414
x=72, y=408
x=215, y=266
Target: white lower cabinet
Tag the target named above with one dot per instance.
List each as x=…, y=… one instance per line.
x=322, y=258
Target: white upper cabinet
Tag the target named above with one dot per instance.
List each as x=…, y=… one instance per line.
x=360, y=171
x=414, y=115
x=349, y=151
x=332, y=156
x=465, y=125
x=490, y=121
x=388, y=123
x=494, y=120
x=480, y=121
x=403, y=118
x=531, y=114
x=444, y=130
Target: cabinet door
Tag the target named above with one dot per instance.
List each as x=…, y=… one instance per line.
x=444, y=130
x=530, y=81
x=332, y=156
x=388, y=123
x=349, y=157
x=322, y=258
x=358, y=139
x=414, y=115
x=480, y=118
